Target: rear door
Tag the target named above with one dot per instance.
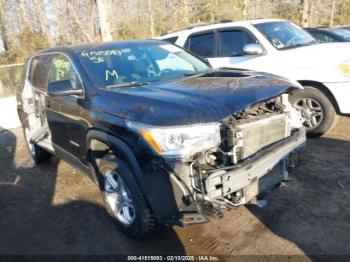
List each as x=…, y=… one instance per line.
x=33, y=99
x=203, y=44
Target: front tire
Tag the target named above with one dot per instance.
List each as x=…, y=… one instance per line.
x=123, y=199
x=316, y=108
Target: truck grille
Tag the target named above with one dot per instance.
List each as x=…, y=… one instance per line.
x=246, y=139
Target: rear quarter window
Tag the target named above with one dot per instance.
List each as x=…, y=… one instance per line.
x=202, y=45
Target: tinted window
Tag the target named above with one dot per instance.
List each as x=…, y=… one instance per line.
x=322, y=38
x=171, y=40
x=202, y=45
x=341, y=34
x=39, y=71
x=231, y=43
x=62, y=69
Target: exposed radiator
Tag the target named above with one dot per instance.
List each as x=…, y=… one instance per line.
x=247, y=138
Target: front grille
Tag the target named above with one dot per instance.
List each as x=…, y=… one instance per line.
x=246, y=139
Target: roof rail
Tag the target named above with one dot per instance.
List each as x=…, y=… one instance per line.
x=198, y=25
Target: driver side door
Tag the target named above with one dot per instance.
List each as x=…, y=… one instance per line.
x=230, y=45
x=65, y=114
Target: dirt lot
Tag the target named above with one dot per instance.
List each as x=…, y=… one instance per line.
x=54, y=209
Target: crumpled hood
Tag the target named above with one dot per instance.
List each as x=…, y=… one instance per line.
x=193, y=100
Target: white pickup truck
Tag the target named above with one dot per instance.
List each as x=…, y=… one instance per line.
x=282, y=48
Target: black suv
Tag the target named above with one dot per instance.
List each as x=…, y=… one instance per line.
x=165, y=137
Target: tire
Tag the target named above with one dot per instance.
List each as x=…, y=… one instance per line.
x=38, y=154
x=143, y=221
x=316, y=108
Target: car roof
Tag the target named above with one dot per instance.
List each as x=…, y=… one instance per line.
x=216, y=25
x=94, y=46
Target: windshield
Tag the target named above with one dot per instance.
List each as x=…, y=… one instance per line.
x=342, y=34
x=139, y=62
x=284, y=34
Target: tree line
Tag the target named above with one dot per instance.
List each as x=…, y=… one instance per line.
x=27, y=26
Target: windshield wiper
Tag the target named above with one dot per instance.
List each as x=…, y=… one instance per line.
x=299, y=45
x=130, y=84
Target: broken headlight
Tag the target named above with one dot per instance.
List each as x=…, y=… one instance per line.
x=179, y=141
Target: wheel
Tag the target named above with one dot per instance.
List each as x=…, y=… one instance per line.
x=38, y=154
x=123, y=199
x=317, y=110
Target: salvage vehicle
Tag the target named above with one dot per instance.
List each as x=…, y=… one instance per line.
x=165, y=137
x=282, y=48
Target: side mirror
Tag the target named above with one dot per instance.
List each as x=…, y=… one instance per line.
x=62, y=88
x=253, y=49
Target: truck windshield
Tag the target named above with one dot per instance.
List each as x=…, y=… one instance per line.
x=124, y=65
x=285, y=35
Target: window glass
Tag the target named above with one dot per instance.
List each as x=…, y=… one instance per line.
x=125, y=63
x=202, y=45
x=62, y=69
x=285, y=35
x=322, y=38
x=343, y=34
x=231, y=43
x=39, y=71
x=174, y=62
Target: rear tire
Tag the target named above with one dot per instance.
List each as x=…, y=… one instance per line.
x=38, y=154
x=123, y=199
x=316, y=108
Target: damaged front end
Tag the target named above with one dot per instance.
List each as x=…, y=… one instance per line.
x=258, y=150
x=251, y=152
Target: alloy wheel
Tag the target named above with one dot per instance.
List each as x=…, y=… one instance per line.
x=118, y=198
x=311, y=110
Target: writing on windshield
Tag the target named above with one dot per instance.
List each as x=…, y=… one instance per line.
x=139, y=63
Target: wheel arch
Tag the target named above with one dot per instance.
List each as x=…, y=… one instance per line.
x=321, y=87
x=158, y=189
x=99, y=143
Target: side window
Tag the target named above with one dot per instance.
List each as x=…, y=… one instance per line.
x=202, y=45
x=231, y=43
x=62, y=69
x=171, y=40
x=39, y=71
x=323, y=38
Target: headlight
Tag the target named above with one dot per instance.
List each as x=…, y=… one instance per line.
x=180, y=142
x=345, y=68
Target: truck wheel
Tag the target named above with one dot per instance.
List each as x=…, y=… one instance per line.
x=123, y=198
x=38, y=154
x=316, y=108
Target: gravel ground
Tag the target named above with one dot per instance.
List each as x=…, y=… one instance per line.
x=54, y=209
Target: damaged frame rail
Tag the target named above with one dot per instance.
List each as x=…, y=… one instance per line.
x=219, y=186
